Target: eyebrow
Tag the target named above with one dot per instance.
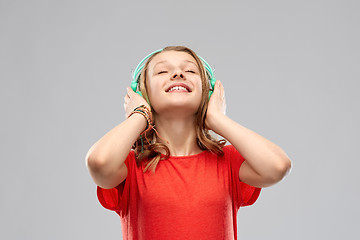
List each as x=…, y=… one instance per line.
x=167, y=61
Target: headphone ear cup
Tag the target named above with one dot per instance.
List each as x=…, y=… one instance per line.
x=134, y=85
x=212, y=83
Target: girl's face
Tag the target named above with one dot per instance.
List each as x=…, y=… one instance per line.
x=174, y=83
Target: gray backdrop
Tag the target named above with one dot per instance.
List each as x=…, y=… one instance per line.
x=290, y=71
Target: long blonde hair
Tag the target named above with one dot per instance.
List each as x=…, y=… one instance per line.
x=149, y=151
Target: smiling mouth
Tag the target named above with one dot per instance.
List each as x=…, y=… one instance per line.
x=178, y=89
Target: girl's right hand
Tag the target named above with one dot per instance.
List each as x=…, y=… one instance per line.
x=133, y=100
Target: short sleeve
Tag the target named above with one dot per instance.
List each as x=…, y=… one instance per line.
x=117, y=198
x=244, y=194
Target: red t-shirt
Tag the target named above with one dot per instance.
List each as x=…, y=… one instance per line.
x=188, y=197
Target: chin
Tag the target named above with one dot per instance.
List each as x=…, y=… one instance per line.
x=179, y=106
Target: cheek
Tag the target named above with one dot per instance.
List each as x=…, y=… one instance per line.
x=153, y=89
x=200, y=87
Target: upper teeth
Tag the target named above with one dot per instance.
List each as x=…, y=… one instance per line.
x=177, y=88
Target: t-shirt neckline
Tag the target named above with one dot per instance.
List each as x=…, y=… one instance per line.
x=185, y=157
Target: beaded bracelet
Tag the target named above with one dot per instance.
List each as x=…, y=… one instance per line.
x=143, y=110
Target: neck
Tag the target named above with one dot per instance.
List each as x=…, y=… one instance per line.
x=179, y=132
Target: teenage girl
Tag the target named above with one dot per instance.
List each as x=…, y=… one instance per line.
x=162, y=171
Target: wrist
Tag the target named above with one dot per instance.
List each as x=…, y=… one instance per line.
x=214, y=122
x=146, y=113
x=140, y=120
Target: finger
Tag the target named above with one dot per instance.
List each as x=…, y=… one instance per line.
x=222, y=91
x=216, y=87
x=126, y=99
x=130, y=91
x=219, y=88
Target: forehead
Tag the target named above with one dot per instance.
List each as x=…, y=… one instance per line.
x=173, y=57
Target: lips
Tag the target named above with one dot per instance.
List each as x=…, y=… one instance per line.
x=178, y=86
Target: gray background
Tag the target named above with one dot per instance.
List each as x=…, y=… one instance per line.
x=290, y=71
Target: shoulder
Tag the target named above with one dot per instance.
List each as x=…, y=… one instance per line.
x=228, y=148
x=231, y=152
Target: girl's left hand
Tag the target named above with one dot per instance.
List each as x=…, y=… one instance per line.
x=216, y=107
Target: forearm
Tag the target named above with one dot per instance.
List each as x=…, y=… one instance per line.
x=266, y=158
x=110, y=151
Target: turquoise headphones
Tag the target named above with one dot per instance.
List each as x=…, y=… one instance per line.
x=140, y=66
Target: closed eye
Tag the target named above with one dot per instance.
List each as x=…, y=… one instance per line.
x=166, y=71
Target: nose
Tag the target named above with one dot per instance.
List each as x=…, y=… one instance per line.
x=177, y=75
